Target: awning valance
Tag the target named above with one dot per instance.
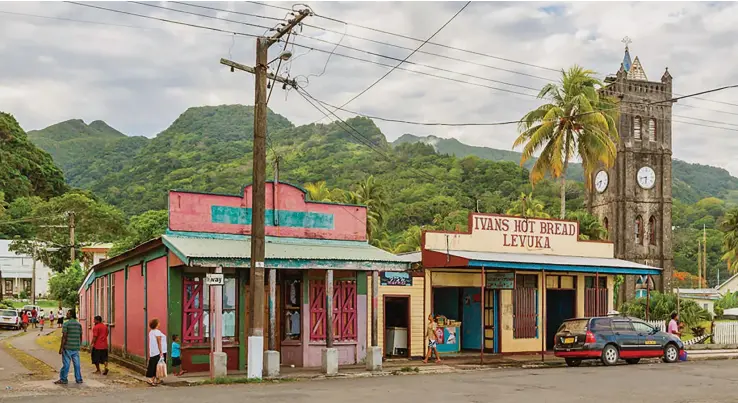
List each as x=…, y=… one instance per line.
x=525, y=261
x=283, y=253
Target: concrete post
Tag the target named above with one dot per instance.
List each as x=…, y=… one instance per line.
x=271, y=357
x=218, y=359
x=374, y=353
x=329, y=355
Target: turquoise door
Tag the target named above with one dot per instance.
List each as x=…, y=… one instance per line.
x=471, y=321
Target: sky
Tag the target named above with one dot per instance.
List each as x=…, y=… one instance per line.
x=139, y=75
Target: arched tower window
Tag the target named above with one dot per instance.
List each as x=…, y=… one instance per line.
x=638, y=230
x=652, y=129
x=652, y=231
x=606, y=224
x=637, y=127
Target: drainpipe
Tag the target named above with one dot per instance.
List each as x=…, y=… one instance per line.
x=543, y=316
x=481, y=348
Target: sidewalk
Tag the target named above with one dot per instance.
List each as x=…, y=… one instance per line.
x=30, y=344
x=463, y=362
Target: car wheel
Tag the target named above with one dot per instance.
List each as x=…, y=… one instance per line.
x=671, y=354
x=573, y=362
x=633, y=361
x=610, y=355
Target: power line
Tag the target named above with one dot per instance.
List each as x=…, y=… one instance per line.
x=200, y=15
x=163, y=19
x=228, y=11
x=408, y=56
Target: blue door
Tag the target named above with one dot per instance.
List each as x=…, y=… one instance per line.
x=471, y=321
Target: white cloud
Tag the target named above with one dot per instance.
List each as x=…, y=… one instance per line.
x=139, y=78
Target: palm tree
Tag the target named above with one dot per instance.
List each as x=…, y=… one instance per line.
x=590, y=226
x=729, y=226
x=527, y=206
x=410, y=241
x=318, y=191
x=576, y=122
x=372, y=195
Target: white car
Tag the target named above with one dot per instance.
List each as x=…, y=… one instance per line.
x=10, y=318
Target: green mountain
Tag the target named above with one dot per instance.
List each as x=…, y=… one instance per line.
x=25, y=170
x=691, y=182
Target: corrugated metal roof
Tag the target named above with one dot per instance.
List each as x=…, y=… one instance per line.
x=305, y=249
x=412, y=257
x=549, y=260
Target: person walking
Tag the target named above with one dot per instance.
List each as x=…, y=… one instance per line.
x=430, y=334
x=69, y=348
x=51, y=318
x=41, y=319
x=34, y=317
x=59, y=318
x=157, y=351
x=100, y=345
x=24, y=320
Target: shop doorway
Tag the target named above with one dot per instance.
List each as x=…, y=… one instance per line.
x=560, y=305
x=397, y=326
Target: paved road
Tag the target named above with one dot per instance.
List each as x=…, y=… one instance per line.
x=694, y=382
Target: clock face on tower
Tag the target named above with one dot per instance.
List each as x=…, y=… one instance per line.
x=646, y=177
x=601, y=181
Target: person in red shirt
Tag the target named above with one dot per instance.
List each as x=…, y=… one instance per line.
x=100, y=345
x=34, y=313
x=24, y=319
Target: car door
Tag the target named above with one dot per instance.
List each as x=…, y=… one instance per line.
x=626, y=337
x=651, y=343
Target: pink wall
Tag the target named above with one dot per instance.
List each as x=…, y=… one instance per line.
x=135, y=332
x=117, y=332
x=192, y=212
x=157, y=295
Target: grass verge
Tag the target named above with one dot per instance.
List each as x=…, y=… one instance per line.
x=37, y=368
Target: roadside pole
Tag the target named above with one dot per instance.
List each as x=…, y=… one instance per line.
x=218, y=359
x=255, y=365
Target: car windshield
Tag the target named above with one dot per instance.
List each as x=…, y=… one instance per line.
x=28, y=308
x=574, y=326
x=8, y=312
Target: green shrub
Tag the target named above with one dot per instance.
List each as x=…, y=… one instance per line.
x=663, y=305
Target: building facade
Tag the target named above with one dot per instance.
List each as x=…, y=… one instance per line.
x=633, y=198
x=507, y=284
x=16, y=272
x=305, y=241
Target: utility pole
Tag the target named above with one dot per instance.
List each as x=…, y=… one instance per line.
x=258, y=188
x=71, y=236
x=34, y=256
x=704, y=254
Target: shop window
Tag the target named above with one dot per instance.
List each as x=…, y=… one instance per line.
x=27, y=285
x=196, y=310
x=652, y=231
x=560, y=282
x=637, y=127
x=525, y=306
x=638, y=231
x=344, y=311
x=595, y=298
x=8, y=286
x=292, y=325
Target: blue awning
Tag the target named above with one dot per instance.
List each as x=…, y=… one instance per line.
x=525, y=261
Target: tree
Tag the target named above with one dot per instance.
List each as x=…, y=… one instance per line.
x=410, y=241
x=94, y=222
x=142, y=228
x=576, y=121
x=372, y=195
x=527, y=206
x=63, y=286
x=590, y=227
x=318, y=191
x=729, y=226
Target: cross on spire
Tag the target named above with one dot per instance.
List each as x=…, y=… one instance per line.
x=626, y=40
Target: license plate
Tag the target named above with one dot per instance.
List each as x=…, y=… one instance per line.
x=7, y=320
x=569, y=340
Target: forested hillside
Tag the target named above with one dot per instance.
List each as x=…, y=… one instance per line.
x=25, y=170
x=414, y=182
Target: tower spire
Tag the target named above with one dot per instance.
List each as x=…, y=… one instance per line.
x=626, y=59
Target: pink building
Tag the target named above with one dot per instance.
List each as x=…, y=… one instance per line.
x=163, y=278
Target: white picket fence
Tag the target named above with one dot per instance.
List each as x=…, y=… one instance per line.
x=658, y=324
x=725, y=333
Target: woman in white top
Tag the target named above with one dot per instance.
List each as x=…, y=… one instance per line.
x=157, y=351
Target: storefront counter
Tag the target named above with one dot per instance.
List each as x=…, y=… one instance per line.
x=447, y=338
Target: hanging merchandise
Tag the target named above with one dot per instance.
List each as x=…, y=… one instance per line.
x=295, y=323
x=293, y=293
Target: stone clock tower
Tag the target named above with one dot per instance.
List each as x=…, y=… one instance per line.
x=633, y=198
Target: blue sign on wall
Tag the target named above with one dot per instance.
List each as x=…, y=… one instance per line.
x=398, y=278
